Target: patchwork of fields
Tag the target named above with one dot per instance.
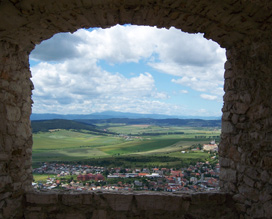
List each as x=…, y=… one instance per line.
x=128, y=142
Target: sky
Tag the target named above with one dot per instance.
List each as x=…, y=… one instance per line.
x=129, y=68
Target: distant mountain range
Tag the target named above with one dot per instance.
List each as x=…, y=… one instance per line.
x=113, y=114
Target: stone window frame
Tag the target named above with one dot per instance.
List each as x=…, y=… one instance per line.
x=242, y=27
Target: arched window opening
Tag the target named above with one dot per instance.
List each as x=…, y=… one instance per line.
x=139, y=75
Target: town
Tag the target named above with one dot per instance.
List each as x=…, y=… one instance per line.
x=195, y=178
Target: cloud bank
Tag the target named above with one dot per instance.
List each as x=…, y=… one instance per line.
x=69, y=76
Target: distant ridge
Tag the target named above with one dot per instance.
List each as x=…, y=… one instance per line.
x=89, y=124
x=113, y=114
x=158, y=122
x=47, y=125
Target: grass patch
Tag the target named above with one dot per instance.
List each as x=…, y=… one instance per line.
x=72, y=146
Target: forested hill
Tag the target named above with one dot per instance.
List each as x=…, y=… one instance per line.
x=88, y=124
x=159, y=122
x=46, y=125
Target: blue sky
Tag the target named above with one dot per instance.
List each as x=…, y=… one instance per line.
x=128, y=68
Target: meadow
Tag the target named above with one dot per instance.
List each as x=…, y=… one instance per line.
x=61, y=145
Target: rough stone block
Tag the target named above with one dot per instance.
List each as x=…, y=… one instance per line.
x=33, y=208
x=4, y=180
x=88, y=199
x=10, y=209
x=227, y=65
x=100, y=200
x=224, y=162
x=34, y=215
x=265, y=196
x=240, y=207
x=4, y=157
x=265, y=176
x=228, y=73
x=256, y=211
x=252, y=173
x=249, y=193
x=234, y=118
x=100, y=214
x=240, y=108
x=234, y=154
x=23, y=130
x=228, y=175
x=249, y=181
x=13, y=113
x=268, y=209
x=72, y=199
x=71, y=215
x=42, y=198
x=239, y=198
x=227, y=127
x=226, y=116
x=119, y=202
x=267, y=163
x=5, y=195
x=17, y=185
x=2, y=203
x=158, y=202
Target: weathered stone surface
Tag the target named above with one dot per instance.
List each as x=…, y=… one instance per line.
x=249, y=193
x=134, y=205
x=71, y=215
x=256, y=211
x=228, y=175
x=240, y=108
x=42, y=198
x=157, y=202
x=252, y=173
x=5, y=195
x=70, y=200
x=227, y=127
x=265, y=196
x=227, y=65
x=4, y=157
x=100, y=214
x=265, y=176
x=13, y=113
x=234, y=154
x=224, y=162
x=268, y=209
x=239, y=198
x=267, y=162
x=249, y=181
x=240, y=207
x=4, y=180
x=119, y=203
x=34, y=215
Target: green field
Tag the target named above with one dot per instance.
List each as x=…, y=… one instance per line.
x=42, y=178
x=71, y=145
x=139, y=129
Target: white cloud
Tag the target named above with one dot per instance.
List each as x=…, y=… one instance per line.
x=208, y=97
x=69, y=78
x=183, y=91
x=160, y=95
x=57, y=81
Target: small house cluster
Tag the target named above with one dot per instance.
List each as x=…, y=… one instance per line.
x=198, y=177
